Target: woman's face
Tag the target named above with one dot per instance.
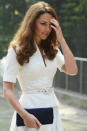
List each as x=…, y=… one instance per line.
x=43, y=26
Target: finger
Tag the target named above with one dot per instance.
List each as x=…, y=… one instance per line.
x=53, y=27
x=55, y=22
x=38, y=124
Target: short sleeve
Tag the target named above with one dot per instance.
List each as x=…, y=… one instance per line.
x=11, y=67
x=60, y=59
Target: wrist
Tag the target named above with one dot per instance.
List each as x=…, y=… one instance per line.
x=24, y=114
x=62, y=41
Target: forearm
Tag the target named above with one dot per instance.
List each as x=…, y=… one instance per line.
x=13, y=101
x=70, y=63
x=70, y=66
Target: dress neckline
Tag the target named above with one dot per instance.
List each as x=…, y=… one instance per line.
x=41, y=53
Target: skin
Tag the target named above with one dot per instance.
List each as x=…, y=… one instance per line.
x=41, y=32
x=43, y=28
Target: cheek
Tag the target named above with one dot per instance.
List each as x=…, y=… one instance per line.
x=39, y=29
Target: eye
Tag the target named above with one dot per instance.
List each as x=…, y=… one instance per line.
x=43, y=23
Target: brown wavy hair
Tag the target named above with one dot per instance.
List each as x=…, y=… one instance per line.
x=23, y=41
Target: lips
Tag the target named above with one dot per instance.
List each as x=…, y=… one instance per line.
x=45, y=34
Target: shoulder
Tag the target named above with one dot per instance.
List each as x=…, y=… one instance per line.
x=11, y=54
x=11, y=51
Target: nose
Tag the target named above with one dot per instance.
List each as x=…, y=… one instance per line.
x=48, y=28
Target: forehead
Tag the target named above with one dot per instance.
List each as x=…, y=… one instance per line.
x=45, y=17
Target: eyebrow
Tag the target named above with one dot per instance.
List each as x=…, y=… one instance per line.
x=43, y=21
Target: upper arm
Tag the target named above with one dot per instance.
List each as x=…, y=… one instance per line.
x=7, y=86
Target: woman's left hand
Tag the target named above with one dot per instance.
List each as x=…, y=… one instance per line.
x=55, y=25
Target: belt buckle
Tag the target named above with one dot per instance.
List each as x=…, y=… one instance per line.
x=46, y=91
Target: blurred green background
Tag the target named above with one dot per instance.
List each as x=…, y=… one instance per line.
x=72, y=17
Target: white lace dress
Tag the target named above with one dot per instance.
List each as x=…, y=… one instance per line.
x=36, y=85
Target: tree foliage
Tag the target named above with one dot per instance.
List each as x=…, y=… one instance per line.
x=72, y=17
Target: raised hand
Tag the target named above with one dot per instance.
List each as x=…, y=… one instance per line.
x=55, y=25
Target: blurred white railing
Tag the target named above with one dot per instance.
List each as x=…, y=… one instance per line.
x=76, y=83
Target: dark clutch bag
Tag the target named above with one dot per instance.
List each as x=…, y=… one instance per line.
x=44, y=115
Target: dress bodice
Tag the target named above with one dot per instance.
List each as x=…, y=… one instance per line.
x=33, y=75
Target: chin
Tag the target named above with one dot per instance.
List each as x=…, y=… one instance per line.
x=44, y=38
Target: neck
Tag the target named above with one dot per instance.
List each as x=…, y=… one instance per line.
x=38, y=40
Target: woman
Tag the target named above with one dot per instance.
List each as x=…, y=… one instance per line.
x=33, y=58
